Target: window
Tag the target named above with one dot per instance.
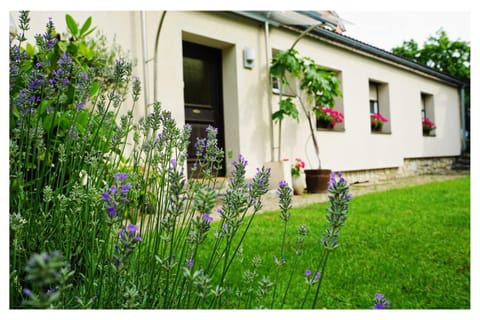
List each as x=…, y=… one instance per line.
x=427, y=114
x=379, y=107
x=337, y=109
x=278, y=87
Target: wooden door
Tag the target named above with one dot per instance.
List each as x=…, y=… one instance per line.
x=202, y=77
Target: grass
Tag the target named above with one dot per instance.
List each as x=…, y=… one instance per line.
x=411, y=244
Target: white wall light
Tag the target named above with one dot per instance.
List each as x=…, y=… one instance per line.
x=248, y=58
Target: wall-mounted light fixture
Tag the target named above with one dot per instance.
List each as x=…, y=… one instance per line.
x=248, y=58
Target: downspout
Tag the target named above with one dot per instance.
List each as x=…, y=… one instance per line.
x=145, y=61
x=268, y=53
x=155, y=57
x=462, y=114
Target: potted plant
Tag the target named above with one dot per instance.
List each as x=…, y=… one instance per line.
x=327, y=117
x=318, y=86
x=298, y=183
x=427, y=126
x=377, y=120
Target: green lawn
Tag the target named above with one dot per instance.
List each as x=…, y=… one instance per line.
x=411, y=244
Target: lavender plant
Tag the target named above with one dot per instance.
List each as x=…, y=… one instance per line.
x=336, y=216
x=134, y=230
x=62, y=125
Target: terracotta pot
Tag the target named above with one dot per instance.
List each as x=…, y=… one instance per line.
x=317, y=180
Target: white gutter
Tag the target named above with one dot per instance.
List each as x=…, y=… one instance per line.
x=463, y=121
x=268, y=55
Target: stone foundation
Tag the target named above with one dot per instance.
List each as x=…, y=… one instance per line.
x=411, y=167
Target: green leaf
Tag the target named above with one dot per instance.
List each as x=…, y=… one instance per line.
x=62, y=46
x=278, y=115
x=287, y=108
x=94, y=88
x=292, y=110
x=43, y=106
x=48, y=122
x=82, y=120
x=85, y=26
x=86, y=51
x=89, y=32
x=30, y=50
x=72, y=25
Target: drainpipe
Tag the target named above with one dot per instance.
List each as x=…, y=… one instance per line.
x=462, y=113
x=145, y=61
x=268, y=53
x=155, y=57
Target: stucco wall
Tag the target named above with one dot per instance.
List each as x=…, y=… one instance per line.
x=245, y=91
x=356, y=147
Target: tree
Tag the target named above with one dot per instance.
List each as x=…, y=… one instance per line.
x=441, y=53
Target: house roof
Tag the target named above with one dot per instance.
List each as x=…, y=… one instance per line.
x=328, y=29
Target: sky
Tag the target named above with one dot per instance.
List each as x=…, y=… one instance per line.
x=388, y=29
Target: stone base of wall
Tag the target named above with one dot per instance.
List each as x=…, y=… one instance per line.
x=411, y=167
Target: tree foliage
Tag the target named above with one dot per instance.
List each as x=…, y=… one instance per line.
x=439, y=52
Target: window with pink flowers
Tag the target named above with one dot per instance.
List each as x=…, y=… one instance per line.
x=427, y=114
x=379, y=103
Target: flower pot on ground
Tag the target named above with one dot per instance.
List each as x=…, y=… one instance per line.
x=298, y=185
x=317, y=180
x=298, y=179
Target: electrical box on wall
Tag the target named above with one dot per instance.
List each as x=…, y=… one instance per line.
x=248, y=58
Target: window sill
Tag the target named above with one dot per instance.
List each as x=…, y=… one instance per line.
x=330, y=130
x=429, y=135
x=381, y=132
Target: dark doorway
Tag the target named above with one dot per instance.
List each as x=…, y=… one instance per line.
x=202, y=77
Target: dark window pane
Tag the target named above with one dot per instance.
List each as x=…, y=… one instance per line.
x=196, y=75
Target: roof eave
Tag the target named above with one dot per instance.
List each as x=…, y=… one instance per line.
x=360, y=46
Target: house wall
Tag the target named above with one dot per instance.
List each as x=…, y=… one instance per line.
x=246, y=91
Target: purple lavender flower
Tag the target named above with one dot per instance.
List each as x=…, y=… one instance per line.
x=82, y=105
x=309, y=279
x=117, y=197
x=284, y=193
x=128, y=237
x=112, y=212
x=173, y=163
x=132, y=230
x=125, y=188
x=206, y=217
x=27, y=292
x=121, y=176
x=190, y=263
x=283, y=184
x=380, y=303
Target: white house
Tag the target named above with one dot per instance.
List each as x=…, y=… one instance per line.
x=212, y=68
